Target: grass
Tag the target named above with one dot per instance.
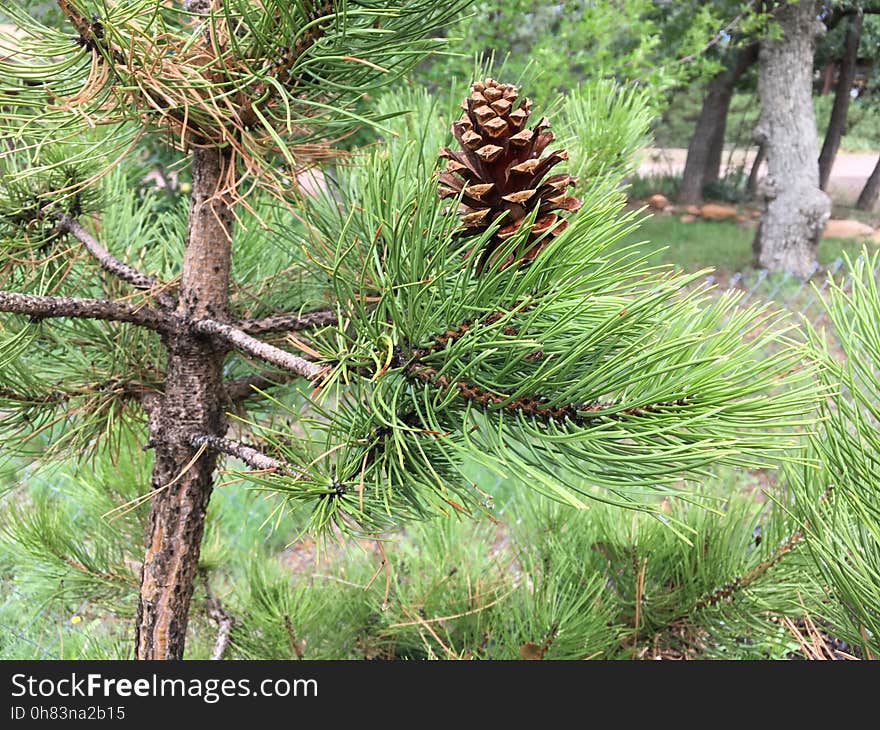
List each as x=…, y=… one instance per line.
x=872, y=218
x=724, y=246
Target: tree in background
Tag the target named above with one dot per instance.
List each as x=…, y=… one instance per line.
x=705, y=150
x=846, y=76
x=493, y=326
x=730, y=53
x=795, y=210
x=736, y=55
x=871, y=192
x=844, y=51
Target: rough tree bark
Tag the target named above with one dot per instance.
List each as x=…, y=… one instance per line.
x=795, y=209
x=194, y=400
x=705, y=149
x=868, y=197
x=837, y=122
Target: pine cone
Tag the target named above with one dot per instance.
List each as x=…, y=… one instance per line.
x=502, y=173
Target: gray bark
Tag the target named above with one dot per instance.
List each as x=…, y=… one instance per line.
x=289, y=322
x=271, y=354
x=249, y=455
x=840, y=110
x=111, y=264
x=795, y=209
x=42, y=307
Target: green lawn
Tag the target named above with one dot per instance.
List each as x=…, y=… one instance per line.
x=725, y=246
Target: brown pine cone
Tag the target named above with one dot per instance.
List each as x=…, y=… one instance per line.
x=502, y=174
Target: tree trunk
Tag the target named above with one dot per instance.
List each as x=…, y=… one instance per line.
x=827, y=78
x=752, y=184
x=795, y=209
x=837, y=122
x=712, y=171
x=193, y=403
x=868, y=197
x=707, y=143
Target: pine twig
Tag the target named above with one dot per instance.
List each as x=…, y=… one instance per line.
x=224, y=620
x=580, y=414
x=295, y=645
x=783, y=549
x=91, y=32
x=43, y=399
x=534, y=406
x=111, y=264
x=743, y=581
x=262, y=350
x=140, y=392
x=249, y=455
x=42, y=307
x=728, y=590
x=280, y=69
x=288, y=322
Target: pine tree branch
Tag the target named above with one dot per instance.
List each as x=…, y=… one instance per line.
x=535, y=406
x=92, y=37
x=244, y=388
x=42, y=307
x=34, y=400
x=249, y=455
x=91, y=32
x=727, y=591
x=113, y=265
x=381, y=434
x=288, y=322
x=225, y=621
x=252, y=346
x=144, y=394
x=280, y=69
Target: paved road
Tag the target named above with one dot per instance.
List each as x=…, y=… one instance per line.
x=848, y=176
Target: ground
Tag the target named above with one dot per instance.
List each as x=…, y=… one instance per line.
x=848, y=176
